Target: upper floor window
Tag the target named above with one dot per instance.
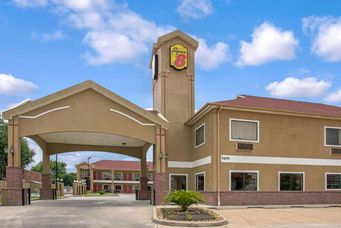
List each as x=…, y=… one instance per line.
x=332, y=136
x=200, y=135
x=136, y=176
x=106, y=175
x=118, y=176
x=150, y=176
x=244, y=130
x=85, y=173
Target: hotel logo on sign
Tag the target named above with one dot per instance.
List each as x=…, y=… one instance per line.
x=178, y=56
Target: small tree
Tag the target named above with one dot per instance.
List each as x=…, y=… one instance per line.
x=184, y=199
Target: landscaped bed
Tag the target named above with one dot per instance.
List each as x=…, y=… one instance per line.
x=184, y=215
x=192, y=214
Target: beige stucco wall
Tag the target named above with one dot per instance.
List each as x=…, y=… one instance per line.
x=280, y=136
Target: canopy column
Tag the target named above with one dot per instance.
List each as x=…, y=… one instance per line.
x=144, y=194
x=12, y=194
x=160, y=161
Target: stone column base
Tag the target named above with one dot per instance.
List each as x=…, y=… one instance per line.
x=144, y=183
x=46, y=192
x=12, y=197
x=144, y=195
x=160, y=186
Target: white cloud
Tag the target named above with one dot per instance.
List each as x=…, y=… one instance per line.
x=290, y=87
x=326, y=36
x=115, y=34
x=11, y=86
x=195, y=9
x=30, y=3
x=334, y=97
x=46, y=37
x=269, y=43
x=211, y=57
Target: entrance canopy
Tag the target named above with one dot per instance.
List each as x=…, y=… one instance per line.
x=85, y=117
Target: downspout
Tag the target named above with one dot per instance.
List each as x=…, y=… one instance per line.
x=218, y=155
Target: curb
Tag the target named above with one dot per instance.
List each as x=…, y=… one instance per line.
x=165, y=222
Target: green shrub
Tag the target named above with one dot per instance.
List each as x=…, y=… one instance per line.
x=184, y=199
x=101, y=193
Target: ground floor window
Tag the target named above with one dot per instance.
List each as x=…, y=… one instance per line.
x=333, y=181
x=291, y=181
x=178, y=182
x=106, y=188
x=244, y=180
x=136, y=187
x=200, y=181
x=118, y=188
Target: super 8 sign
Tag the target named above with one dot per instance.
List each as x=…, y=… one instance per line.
x=178, y=56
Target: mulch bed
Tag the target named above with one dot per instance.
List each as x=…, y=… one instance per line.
x=193, y=214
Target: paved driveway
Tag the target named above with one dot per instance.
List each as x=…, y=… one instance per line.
x=123, y=211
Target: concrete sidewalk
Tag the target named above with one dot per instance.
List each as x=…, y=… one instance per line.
x=282, y=218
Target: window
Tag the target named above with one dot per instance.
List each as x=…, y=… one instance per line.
x=333, y=181
x=106, y=188
x=106, y=175
x=243, y=180
x=118, y=176
x=149, y=187
x=332, y=136
x=200, y=181
x=118, y=188
x=150, y=176
x=178, y=182
x=136, y=176
x=200, y=135
x=136, y=187
x=291, y=181
x=85, y=173
x=244, y=130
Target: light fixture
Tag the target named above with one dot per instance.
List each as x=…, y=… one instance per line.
x=12, y=150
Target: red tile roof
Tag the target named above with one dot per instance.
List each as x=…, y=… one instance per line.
x=246, y=101
x=120, y=165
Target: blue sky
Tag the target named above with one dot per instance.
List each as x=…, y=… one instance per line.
x=286, y=49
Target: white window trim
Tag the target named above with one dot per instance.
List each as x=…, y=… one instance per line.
x=241, y=140
x=121, y=174
x=195, y=181
x=325, y=178
x=289, y=172
x=195, y=136
x=118, y=185
x=325, y=136
x=177, y=174
x=243, y=171
x=139, y=177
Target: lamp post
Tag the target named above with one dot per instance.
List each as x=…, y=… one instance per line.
x=88, y=182
x=56, y=168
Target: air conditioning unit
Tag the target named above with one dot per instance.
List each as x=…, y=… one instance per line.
x=335, y=151
x=244, y=146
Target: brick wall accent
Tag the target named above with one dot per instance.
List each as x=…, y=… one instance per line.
x=209, y=198
x=32, y=176
x=46, y=192
x=14, y=177
x=279, y=198
x=161, y=189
